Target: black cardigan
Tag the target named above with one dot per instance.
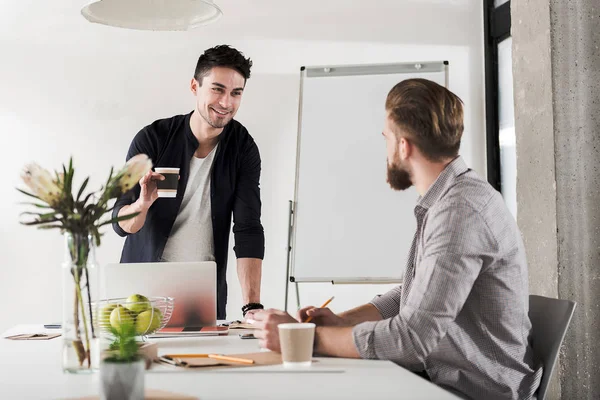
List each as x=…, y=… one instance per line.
x=234, y=190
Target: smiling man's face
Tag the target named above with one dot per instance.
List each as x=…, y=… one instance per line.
x=218, y=95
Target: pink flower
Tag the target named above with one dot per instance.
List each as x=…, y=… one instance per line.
x=133, y=171
x=41, y=183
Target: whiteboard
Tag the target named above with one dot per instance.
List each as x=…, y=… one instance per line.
x=348, y=225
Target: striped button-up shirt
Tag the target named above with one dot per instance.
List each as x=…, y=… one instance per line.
x=462, y=313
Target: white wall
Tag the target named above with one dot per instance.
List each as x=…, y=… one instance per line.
x=87, y=98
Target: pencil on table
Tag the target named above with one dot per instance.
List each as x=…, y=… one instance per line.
x=232, y=359
x=323, y=306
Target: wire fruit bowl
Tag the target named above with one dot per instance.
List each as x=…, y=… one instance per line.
x=146, y=316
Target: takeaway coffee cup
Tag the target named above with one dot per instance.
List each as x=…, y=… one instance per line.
x=296, y=342
x=168, y=187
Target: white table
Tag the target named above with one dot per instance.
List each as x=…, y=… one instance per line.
x=32, y=370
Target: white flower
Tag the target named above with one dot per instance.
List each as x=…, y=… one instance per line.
x=41, y=183
x=133, y=171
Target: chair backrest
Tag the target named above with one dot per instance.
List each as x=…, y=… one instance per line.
x=550, y=320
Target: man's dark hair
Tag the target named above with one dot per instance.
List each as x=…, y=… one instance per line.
x=222, y=56
x=429, y=115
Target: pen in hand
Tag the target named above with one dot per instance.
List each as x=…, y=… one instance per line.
x=323, y=306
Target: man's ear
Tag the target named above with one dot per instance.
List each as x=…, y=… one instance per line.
x=194, y=86
x=405, y=148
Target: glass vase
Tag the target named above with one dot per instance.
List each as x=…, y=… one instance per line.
x=80, y=284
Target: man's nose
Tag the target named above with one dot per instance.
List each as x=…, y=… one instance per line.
x=225, y=101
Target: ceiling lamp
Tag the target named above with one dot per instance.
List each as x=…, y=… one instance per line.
x=153, y=15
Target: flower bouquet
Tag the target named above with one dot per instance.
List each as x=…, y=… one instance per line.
x=79, y=217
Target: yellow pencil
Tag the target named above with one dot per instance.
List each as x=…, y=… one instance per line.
x=323, y=306
x=232, y=359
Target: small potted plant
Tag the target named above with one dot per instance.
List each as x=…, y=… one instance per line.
x=122, y=369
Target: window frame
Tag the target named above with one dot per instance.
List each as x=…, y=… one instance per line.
x=496, y=25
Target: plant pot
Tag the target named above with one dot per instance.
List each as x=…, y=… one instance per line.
x=122, y=380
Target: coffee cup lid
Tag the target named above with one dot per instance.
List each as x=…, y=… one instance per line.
x=167, y=170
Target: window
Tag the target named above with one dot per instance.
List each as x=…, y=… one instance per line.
x=506, y=125
x=500, y=120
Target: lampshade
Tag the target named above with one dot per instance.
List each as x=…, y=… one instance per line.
x=154, y=15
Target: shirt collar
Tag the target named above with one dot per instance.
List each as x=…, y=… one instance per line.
x=444, y=180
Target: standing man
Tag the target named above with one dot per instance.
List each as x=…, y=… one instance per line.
x=219, y=177
x=461, y=316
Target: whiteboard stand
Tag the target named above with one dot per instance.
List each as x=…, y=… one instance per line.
x=340, y=110
x=289, y=278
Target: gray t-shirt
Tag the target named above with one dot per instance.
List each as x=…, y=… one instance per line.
x=191, y=237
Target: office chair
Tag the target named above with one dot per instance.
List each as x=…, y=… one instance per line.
x=550, y=320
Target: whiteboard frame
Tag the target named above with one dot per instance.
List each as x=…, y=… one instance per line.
x=330, y=71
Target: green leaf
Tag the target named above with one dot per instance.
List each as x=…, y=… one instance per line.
x=89, y=210
x=29, y=194
x=31, y=223
x=85, y=200
x=31, y=213
x=124, y=347
x=34, y=204
x=121, y=218
x=110, y=209
x=42, y=217
x=110, y=174
x=65, y=177
x=50, y=227
x=97, y=235
x=67, y=195
x=83, y=185
x=69, y=178
x=48, y=216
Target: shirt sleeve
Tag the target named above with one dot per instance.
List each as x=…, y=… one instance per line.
x=141, y=144
x=388, y=304
x=455, y=241
x=247, y=228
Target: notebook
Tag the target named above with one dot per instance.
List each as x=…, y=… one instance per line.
x=259, y=359
x=33, y=336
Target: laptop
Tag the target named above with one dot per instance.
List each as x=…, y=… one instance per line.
x=193, y=286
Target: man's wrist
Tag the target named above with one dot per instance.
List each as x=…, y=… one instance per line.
x=251, y=306
x=139, y=207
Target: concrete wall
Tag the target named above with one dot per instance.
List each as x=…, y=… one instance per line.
x=556, y=69
x=536, y=189
x=534, y=126
x=575, y=34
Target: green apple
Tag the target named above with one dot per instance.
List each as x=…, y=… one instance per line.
x=121, y=315
x=104, y=315
x=137, y=303
x=148, y=321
